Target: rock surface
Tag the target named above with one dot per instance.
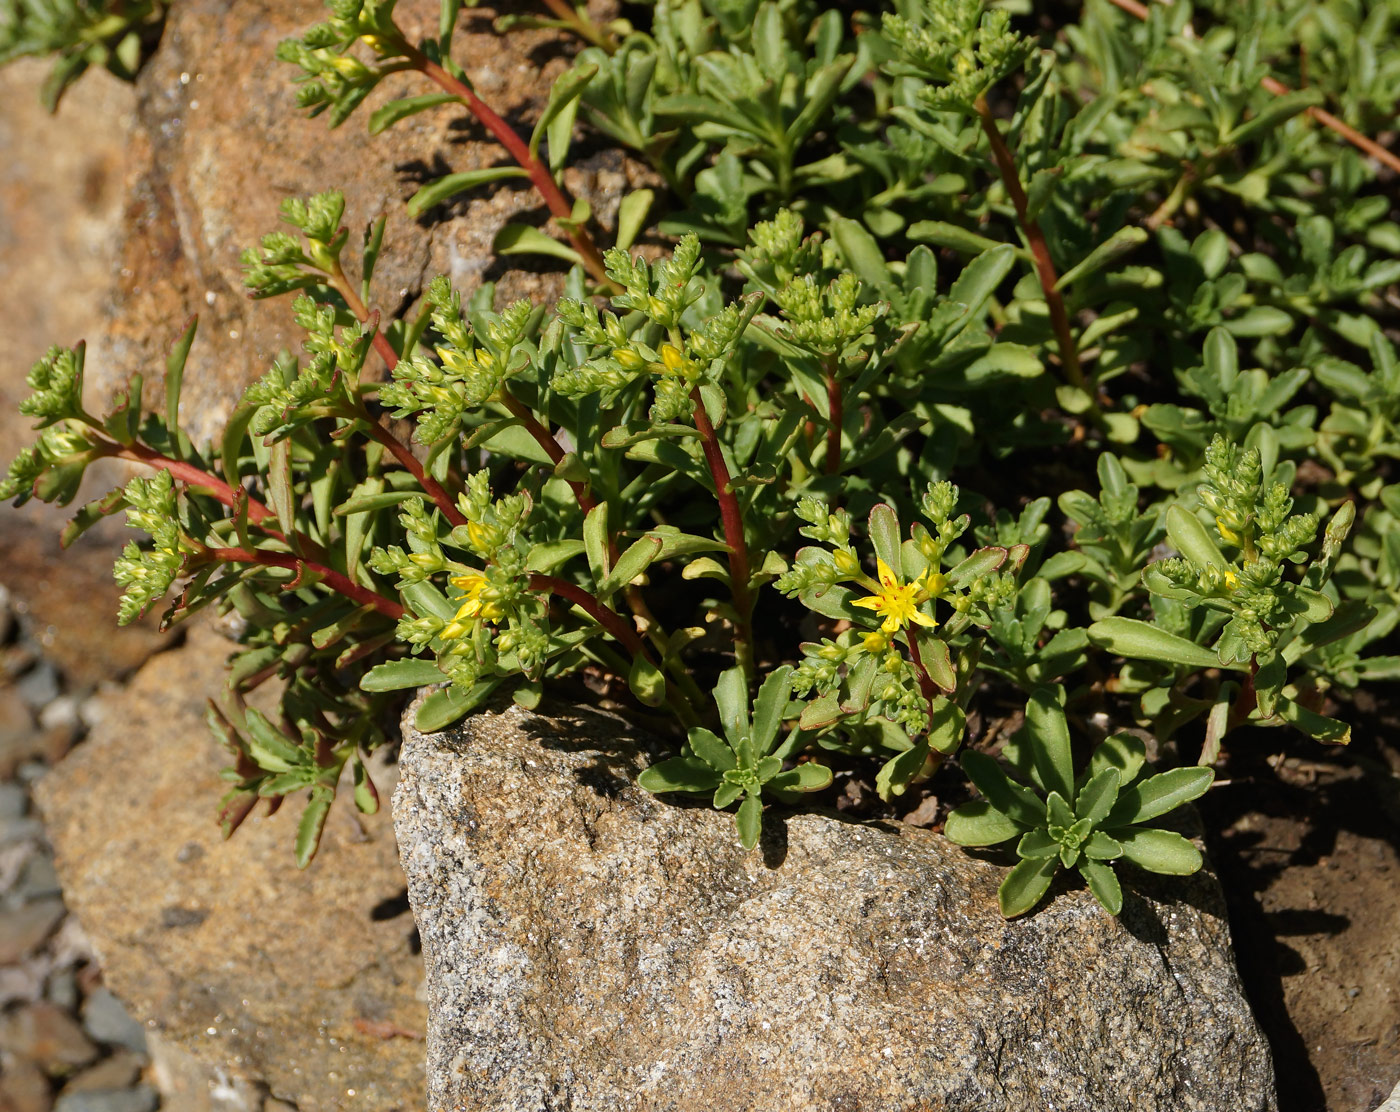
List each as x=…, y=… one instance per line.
x=286, y=978
x=223, y=144
x=62, y=184
x=590, y=948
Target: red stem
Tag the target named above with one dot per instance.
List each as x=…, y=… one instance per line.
x=397, y=448
x=340, y=583
x=1040, y=250
x=405, y=456
x=545, y=439
x=539, y=173
x=188, y=473
x=608, y=619
x=730, y=517
x=362, y=314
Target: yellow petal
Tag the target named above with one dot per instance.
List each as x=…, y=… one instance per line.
x=923, y=619
x=887, y=578
x=870, y=602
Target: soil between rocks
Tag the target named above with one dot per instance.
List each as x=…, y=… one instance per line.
x=1308, y=851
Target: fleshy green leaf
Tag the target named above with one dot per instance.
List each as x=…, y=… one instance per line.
x=680, y=774
x=979, y=824
x=749, y=820
x=1139, y=640
x=1103, y=883
x=1160, y=851
x=1026, y=885
x=1159, y=794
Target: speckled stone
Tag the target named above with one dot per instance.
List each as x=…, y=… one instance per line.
x=263, y=973
x=592, y=949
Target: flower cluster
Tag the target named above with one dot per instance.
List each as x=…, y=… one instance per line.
x=145, y=574
x=492, y=620
x=473, y=365
x=687, y=359
x=961, y=47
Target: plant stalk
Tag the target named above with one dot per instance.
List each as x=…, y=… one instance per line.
x=334, y=579
x=1040, y=250
x=545, y=439
x=836, y=406
x=582, y=26
x=539, y=173
x=732, y=521
x=188, y=473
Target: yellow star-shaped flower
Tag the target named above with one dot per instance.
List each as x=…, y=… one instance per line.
x=473, y=609
x=897, y=602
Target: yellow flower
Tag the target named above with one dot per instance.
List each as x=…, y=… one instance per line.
x=483, y=537
x=1228, y=535
x=675, y=364
x=474, y=607
x=897, y=602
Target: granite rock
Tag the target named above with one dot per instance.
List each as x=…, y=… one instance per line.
x=226, y=949
x=590, y=947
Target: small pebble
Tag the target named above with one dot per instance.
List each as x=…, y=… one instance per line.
x=63, y=989
x=21, y=982
x=40, y=880
x=61, y=713
x=20, y=830
x=14, y=801
x=39, y=686
x=15, y=660
x=106, y=1019
x=142, y=1098
x=120, y=1071
x=48, y=1035
x=23, y=1087
x=25, y=928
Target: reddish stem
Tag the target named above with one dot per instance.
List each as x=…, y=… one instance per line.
x=545, y=439
x=188, y=473
x=401, y=452
x=397, y=448
x=539, y=173
x=608, y=619
x=362, y=314
x=731, y=519
x=1040, y=250
x=339, y=583
x=581, y=25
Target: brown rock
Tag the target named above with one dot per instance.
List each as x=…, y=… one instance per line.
x=62, y=186
x=224, y=144
x=590, y=947
x=234, y=954
x=23, y=1086
x=46, y=1034
x=117, y=1072
x=190, y=1084
x=25, y=928
x=62, y=183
